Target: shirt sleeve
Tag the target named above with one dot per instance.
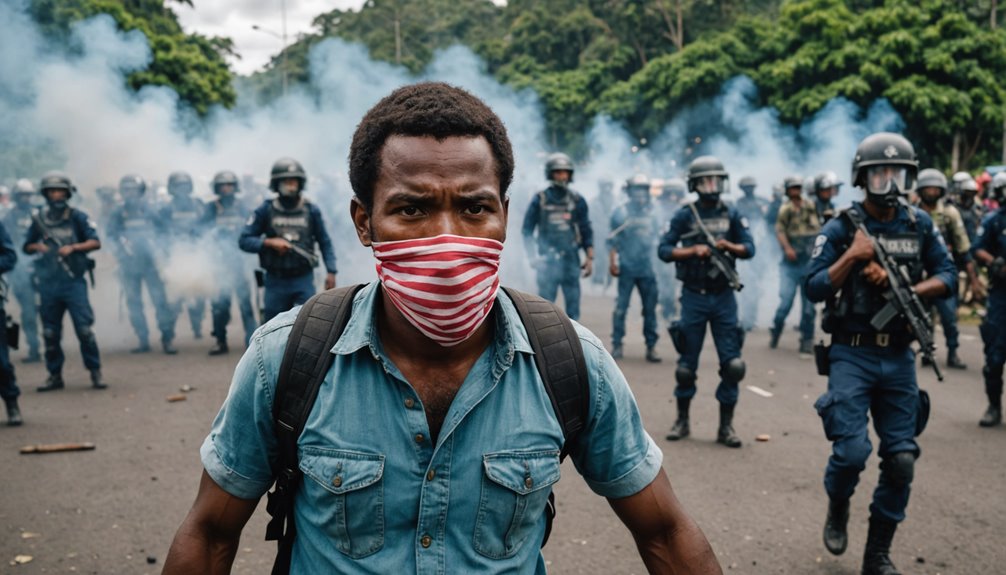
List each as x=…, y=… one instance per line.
x=239, y=452
x=324, y=240
x=33, y=236
x=936, y=259
x=614, y=454
x=740, y=233
x=987, y=233
x=8, y=255
x=531, y=218
x=617, y=219
x=782, y=221
x=583, y=224
x=962, y=244
x=251, y=239
x=827, y=250
x=674, y=232
x=86, y=226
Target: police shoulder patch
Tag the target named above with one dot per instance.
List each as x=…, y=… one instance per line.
x=744, y=222
x=819, y=245
x=251, y=220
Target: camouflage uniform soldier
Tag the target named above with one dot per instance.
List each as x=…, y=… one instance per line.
x=795, y=229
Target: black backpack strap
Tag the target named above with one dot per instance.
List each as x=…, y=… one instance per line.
x=306, y=361
x=563, y=369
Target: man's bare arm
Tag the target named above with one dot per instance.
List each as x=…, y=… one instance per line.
x=668, y=540
x=208, y=538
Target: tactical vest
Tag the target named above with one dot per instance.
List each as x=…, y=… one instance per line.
x=801, y=230
x=138, y=233
x=229, y=220
x=699, y=274
x=636, y=239
x=942, y=223
x=557, y=230
x=185, y=216
x=825, y=211
x=64, y=232
x=858, y=301
x=972, y=218
x=295, y=227
x=19, y=221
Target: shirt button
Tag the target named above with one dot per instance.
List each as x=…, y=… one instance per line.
x=419, y=438
x=426, y=541
x=410, y=403
x=337, y=481
x=430, y=475
x=528, y=482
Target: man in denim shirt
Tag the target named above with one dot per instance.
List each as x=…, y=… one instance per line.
x=419, y=455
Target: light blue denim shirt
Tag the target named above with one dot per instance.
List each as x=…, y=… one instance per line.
x=378, y=497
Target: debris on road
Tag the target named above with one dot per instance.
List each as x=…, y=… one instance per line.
x=30, y=535
x=57, y=447
x=759, y=391
x=176, y=397
x=21, y=559
x=186, y=388
x=763, y=437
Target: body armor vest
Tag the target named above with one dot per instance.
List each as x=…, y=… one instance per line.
x=138, y=233
x=185, y=216
x=62, y=230
x=700, y=274
x=20, y=221
x=557, y=231
x=636, y=239
x=858, y=301
x=294, y=226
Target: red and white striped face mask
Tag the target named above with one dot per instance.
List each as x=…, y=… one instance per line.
x=445, y=286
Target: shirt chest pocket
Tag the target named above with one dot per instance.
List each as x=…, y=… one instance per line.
x=515, y=489
x=345, y=491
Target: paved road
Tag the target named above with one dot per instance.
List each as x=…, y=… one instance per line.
x=762, y=507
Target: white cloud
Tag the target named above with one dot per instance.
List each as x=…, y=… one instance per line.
x=235, y=18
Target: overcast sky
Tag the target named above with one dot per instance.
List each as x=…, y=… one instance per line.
x=235, y=18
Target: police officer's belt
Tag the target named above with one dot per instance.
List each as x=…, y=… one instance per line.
x=873, y=339
x=294, y=273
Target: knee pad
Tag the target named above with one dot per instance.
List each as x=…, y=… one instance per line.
x=684, y=376
x=49, y=334
x=85, y=334
x=899, y=469
x=733, y=371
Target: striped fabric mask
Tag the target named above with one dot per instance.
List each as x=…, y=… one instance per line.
x=445, y=285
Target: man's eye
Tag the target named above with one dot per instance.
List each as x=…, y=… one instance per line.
x=410, y=211
x=476, y=209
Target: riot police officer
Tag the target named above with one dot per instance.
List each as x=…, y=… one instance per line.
x=17, y=222
x=603, y=205
x=225, y=218
x=292, y=225
x=672, y=193
x=563, y=223
x=183, y=216
x=795, y=229
x=931, y=188
x=826, y=187
x=872, y=371
x=135, y=230
x=63, y=236
x=707, y=295
x=755, y=210
x=631, y=244
x=990, y=251
x=9, y=390
x=971, y=211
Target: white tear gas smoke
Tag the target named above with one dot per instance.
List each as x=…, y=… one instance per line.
x=77, y=106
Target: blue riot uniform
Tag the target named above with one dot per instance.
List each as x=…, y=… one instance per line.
x=62, y=286
x=135, y=230
x=289, y=279
x=9, y=390
x=872, y=372
x=22, y=283
x=991, y=237
x=224, y=224
x=561, y=218
x=706, y=298
x=634, y=231
x=184, y=216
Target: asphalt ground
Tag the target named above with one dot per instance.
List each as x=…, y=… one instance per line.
x=115, y=509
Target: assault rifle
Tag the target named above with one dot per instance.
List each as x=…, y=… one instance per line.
x=310, y=257
x=901, y=298
x=54, y=244
x=723, y=262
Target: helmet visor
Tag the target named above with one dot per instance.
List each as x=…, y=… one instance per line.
x=710, y=184
x=886, y=179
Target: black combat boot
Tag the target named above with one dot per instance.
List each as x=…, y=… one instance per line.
x=836, y=539
x=220, y=348
x=144, y=347
x=168, y=347
x=954, y=360
x=616, y=351
x=807, y=347
x=54, y=383
x=96, y=380
x=651, y=355
x=774, y=334
x=877, y=557
x=13, y=413
x=994, y=390
x=680, y=429
x=726, y=434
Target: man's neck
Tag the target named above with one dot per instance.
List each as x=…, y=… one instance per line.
x=880, y=213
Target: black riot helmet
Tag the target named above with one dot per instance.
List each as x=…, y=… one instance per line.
x=224, y=178
x=998, y=187
x=957, y=180
x=132, y=185
x=179, y=183
x=792, y=181
x=56, y=181
x=673, y=188
x=931, y=178
x=969, y=188
x=885, y=166
x=285, y=169
x=707, y=178
x=638, y=186
x=558, y=162
x=826, y=181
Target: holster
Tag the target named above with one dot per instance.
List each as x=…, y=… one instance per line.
x=922, y=417
x=260, y=278
x=677, y=337
x=822, y=359
x=13, y=333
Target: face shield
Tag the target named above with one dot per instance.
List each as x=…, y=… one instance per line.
x=130, y=193
x=289, y=187
x=883, y=180
x=639, y=194
x=180, y=189
x=710, y=185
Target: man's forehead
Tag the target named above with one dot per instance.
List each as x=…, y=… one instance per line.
x=423, y=158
